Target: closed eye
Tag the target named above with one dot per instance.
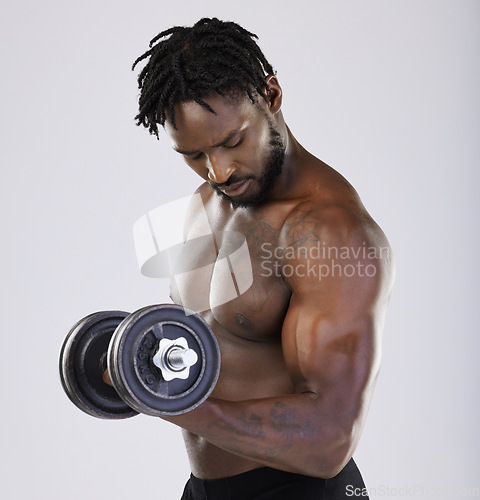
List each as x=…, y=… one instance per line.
x=235, y=145
x=196, y=157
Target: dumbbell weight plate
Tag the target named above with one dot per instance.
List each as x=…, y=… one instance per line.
x=138, y=380
x=82, y=363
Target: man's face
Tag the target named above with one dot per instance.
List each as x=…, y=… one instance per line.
x=237, y=150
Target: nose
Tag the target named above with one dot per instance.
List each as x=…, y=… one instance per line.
x=219, y=168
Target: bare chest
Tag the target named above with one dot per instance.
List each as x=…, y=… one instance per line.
x=230, y=276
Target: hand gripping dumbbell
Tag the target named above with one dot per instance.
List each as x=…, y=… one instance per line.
x=162, y=360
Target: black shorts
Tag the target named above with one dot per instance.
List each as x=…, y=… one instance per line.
x=272, y=484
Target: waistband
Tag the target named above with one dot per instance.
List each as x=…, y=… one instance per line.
x=245, y=485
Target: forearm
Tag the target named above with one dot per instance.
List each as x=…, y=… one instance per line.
x=289, y=433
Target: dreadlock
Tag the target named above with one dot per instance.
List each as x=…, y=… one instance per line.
x=188, y=64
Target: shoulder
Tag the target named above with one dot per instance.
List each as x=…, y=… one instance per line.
x=331, y=208
x=337, y=238
x=329, y=220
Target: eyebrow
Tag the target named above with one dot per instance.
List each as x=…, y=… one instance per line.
x=221, y=143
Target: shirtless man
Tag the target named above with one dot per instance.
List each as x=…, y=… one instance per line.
x=301, y=347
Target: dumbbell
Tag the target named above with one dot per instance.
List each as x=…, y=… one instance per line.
x=162, y=360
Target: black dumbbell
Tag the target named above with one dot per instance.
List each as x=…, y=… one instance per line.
x=162, y=360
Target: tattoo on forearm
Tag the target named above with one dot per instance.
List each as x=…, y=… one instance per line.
x=243, y=426
x=284, y=420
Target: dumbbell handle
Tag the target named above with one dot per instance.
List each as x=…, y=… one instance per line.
x=180, y=359
x=174, y=359
x=106, y=378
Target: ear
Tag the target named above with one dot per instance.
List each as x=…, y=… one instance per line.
x=274, y=93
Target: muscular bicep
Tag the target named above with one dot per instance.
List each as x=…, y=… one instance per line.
x=330, y=357
x=331, y=335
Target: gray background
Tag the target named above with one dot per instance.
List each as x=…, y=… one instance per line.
x=384, y=91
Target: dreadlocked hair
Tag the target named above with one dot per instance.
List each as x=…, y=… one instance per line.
x=189, y=64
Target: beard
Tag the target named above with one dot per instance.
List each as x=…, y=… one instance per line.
x=273, y=168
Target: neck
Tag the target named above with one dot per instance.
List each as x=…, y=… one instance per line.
x=286, y=183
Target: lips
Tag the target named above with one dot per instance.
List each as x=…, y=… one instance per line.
x=237, y=189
